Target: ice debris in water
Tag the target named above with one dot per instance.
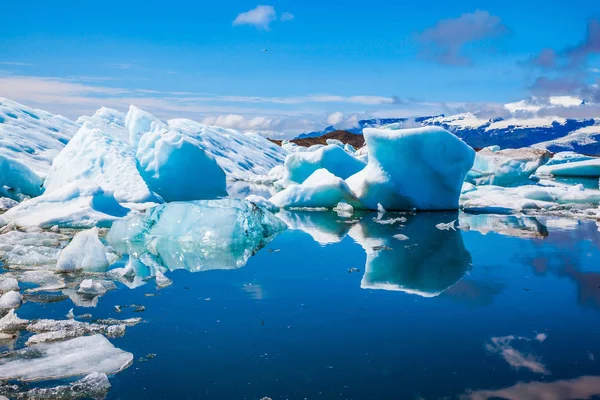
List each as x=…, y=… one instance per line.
x=85, y=252
x=8, y=283
x=12, y=299
x=93, y=287
x=162, y=281
x=262, y=202
x=400, y=236
x=446, y=226
x=11, y=323
x=74, y=357
x=569, y=164
x=344, y=210
x=199, y=235
x=506, y=167
x=422, y=168
x=92, y=386
x=49, y=330
x=27, y=249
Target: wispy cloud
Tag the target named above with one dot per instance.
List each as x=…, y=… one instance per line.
x=444, y=43
x=259, y=17
x=286, y=16
x=121, y=65
x=16, y=63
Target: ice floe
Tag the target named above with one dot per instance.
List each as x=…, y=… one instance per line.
x=85, y=252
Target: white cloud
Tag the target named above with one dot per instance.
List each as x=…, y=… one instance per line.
x=341, y=121
x=120, y=65
x=259, y=17
x=286, y=16
x=16, y=63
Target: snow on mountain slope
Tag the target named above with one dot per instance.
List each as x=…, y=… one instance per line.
x=584, y=140
x=29, y=141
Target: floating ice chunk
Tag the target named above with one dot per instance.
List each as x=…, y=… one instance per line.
x=177, y=167
x=389, y=221
x=74, y=357
x=162, y=281
x=7, y=203
x=93, y=287
x=50, y=330
x=47, y=280
x=8, y=283
x=421, y=168
x=199, y=235
x=78, y=205
x=94, y=385
x=262, y=202
x=506, y=167
x=100, y=152
x=11, y=323
x=571, y=164
x=299, y=166
x=70, y=314
x=85, y=252
x=321, y=189
x=446, y=226
x=400, y=237
x=344, y=210
x=12, y=299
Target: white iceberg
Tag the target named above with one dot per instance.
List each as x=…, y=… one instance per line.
x=29, y=141
x=75, y=357
x=421, y=168
x=199, y=235
x=85, y=252
x=299, y=166
x=321, y=189
x=94, y=287
x=506, y=167
x=569, y=164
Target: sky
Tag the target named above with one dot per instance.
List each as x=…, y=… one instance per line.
x=287, y=67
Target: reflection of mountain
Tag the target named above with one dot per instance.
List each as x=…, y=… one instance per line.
x=427, y=263
x=508, y=225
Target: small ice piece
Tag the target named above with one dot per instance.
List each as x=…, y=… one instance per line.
x=421, y=168
x=55, y=229
x=85, y=251
x=198, y=235
x=75, y=357
x=11, y=323
x=12, y=299
x=8, y=283
x=446, y=226
x=320, y=189
x=92, y=287
x=94, y=385
x=50, y=330
x=299, y=166
x=400, y=237
x=344, y=210
x=7, y=203
x=70, y=314
x=162, y=281
x=389, y=221
x=262, y=202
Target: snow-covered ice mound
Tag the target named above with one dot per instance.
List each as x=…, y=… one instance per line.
x=506, y=167
x=321, y=189
x=71, y=358
x=29, y=141
x=85, y=252
x=79, y=204
x=426, y=262
x=569, y=164
x=100, y=153
x=300, y=165
x=421, y=169
x=199, y=235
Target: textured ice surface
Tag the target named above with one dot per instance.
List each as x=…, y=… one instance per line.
x=299, y=166
x=100, y=152
x=29, y=140
x=92, y=386
x=50, y=330
x=571, y=164
x=8, y=283
x=320, y=189
x=85, y=252
x=7, y=203
x=262, y=202
x=420, y=168
x=75, y=357
x=506, y=167
x=325, y=227
x=12, y=323
x=199, y=235
x=12, y=299
x=509, y=225
x=94, y=287
x=80, y=204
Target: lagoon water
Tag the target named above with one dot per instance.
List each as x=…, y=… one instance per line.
x=506, y=307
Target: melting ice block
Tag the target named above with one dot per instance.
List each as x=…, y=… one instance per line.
x=85, y=252
x=198, y=235
x=421, y=168
x=74, y=357
x=299, y=166
x=571, y=164
x=506, y=167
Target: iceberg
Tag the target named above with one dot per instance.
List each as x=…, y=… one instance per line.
x=506, y=167
x=85, y=252
x=199, y=235
x=100, y=153
x=569, y=164
x=299, y=166
x=320, y=189
x=75, y=357
x=79, y=204
x=29, y=141
x=422, y=168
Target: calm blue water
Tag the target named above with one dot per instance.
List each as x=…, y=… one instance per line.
x=440, y=315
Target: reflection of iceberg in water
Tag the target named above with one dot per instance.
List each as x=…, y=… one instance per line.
x=428, y=263
x=198, y=235
x=508, y=225
x=325, y=227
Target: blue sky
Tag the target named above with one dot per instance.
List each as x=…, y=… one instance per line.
x=376, y=58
